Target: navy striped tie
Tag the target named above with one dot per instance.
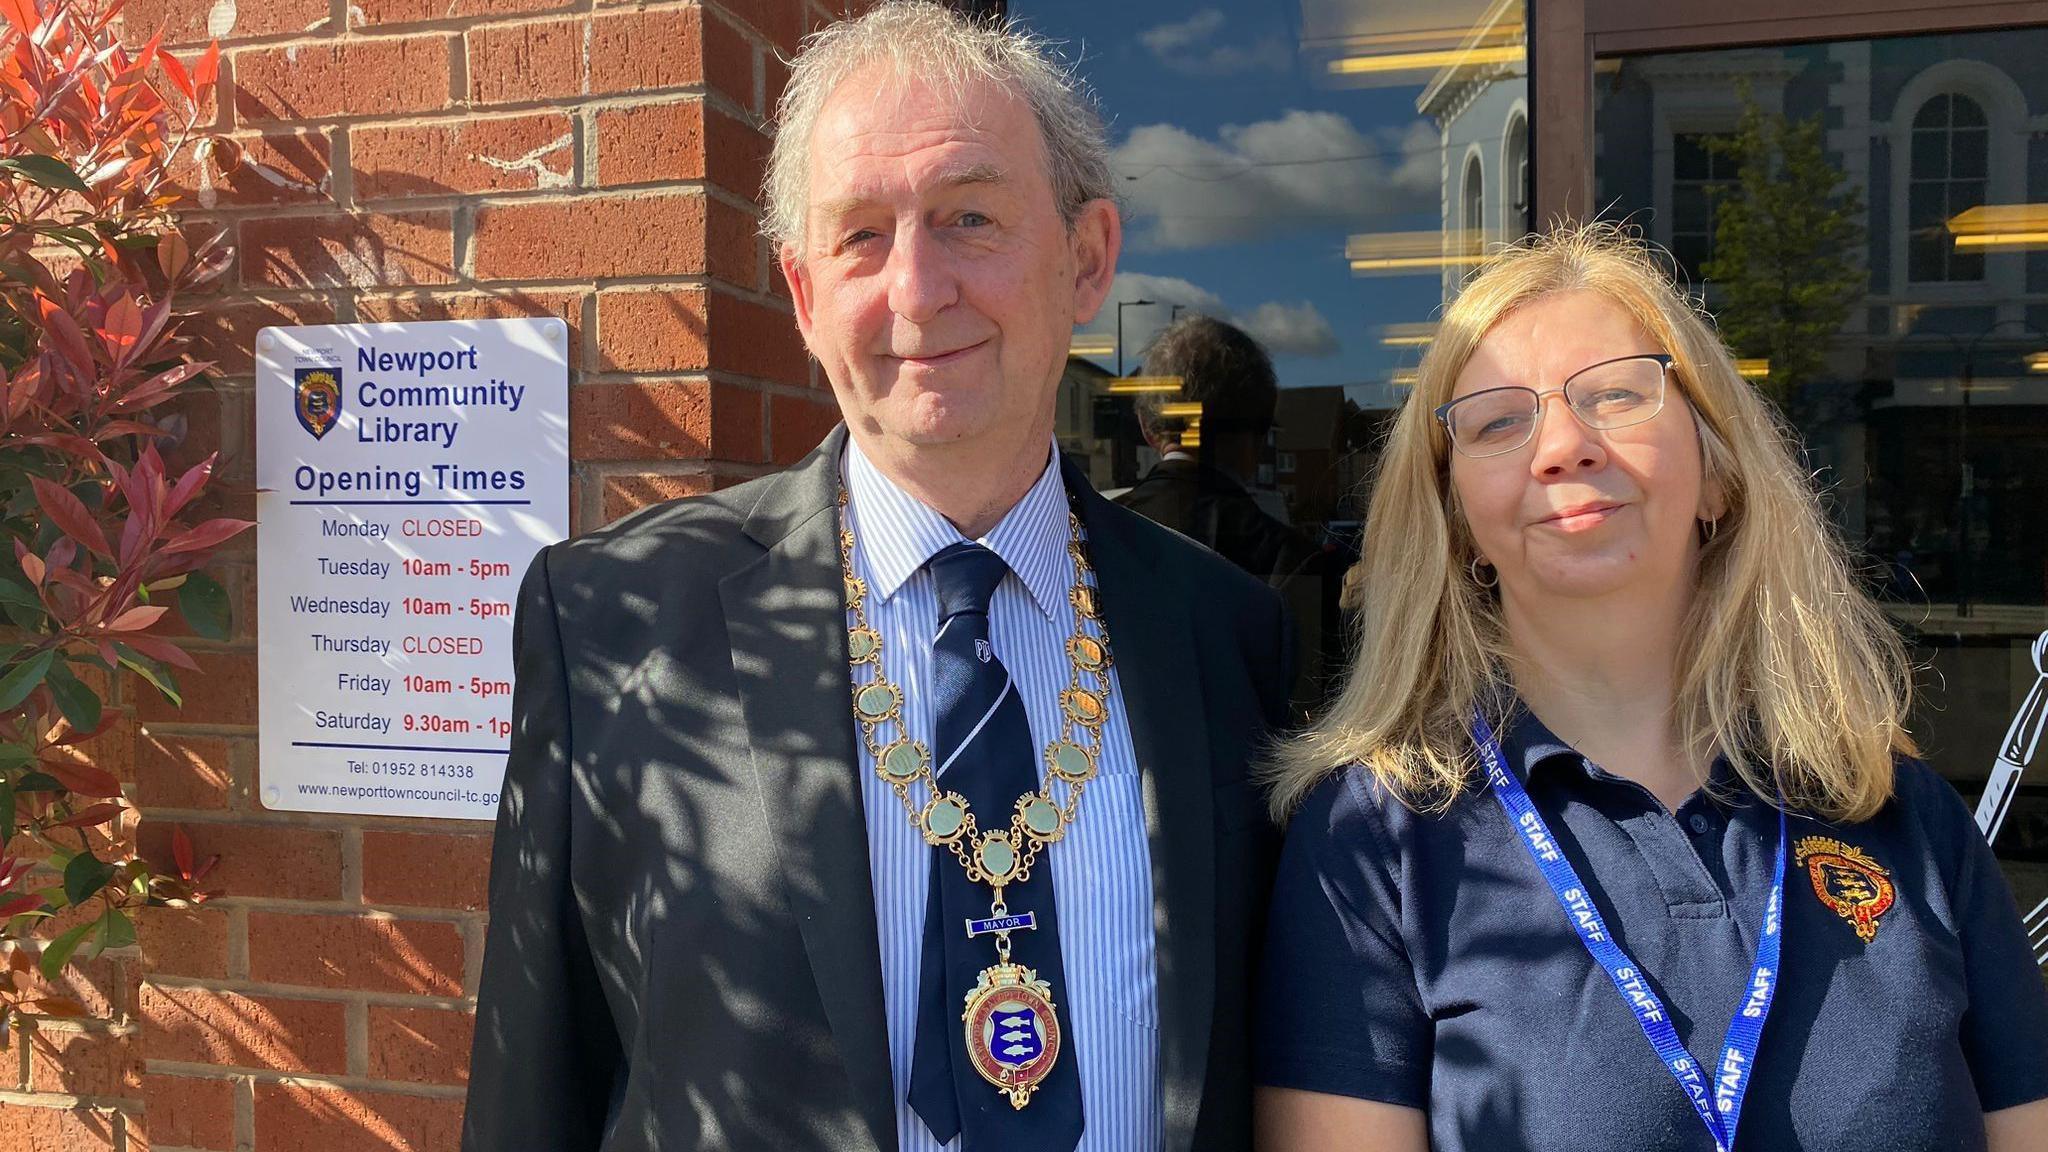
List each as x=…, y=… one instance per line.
x=982, y=745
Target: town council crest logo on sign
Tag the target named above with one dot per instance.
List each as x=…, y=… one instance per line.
x=319, y=399
x=1855, y=887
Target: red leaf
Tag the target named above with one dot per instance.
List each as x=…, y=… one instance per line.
x=63, y=330
x=157, y=648
x=143, y=394
x=181, y=850
x=12, y=869
x=156, y=315
x=73, y=736
x=176, y=71
x=70, y=444
x=149, y=480
x=189, y=485
x=70, y=515
x=18, y=905
x=135, y=535
x=92, y=817
x=209, y=263
x=148, y=53
x=208, y=535
x=115, y=429
x=84, y=779
x=32, y=567
x=208, y=69
x=22, y=15
x=137, y=618
x=122, y=329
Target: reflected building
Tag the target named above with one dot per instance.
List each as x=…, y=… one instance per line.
x=1928, y=421
x=1324, y=173
x=1088, y=423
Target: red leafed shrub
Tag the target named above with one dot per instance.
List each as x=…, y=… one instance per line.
x=101, y=539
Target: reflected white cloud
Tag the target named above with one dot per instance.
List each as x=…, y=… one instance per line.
x=1190, y=47
x=1297, y=329
x=1301, y=170
x=1286, y=329
x=1181, y=35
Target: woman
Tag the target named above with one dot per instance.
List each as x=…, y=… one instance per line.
x=1614, y=838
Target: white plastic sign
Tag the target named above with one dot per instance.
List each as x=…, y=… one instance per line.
x=406, y=474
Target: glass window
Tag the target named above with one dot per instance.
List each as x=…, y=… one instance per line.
x=1309, y=173
x=1515, y=171
x=1703, y=169
x=1472, y=220
x=1920, y=397
x=1951, y=150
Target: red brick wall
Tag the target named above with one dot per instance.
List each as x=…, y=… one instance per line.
x=417, y=159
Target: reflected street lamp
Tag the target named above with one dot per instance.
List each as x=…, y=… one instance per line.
x=1120, y=306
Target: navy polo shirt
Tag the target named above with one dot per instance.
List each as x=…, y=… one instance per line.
x=1420, y=959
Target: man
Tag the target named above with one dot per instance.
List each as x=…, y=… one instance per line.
x=743, y=721
x=1202, y=491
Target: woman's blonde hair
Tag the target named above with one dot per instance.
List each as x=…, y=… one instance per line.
x=1785, y=665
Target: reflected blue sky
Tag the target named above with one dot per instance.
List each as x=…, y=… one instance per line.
x=1242, y=171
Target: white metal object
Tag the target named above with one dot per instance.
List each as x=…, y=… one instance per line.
x=2021, y=739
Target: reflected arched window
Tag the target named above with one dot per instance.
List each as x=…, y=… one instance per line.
x=1948, y=173
x=1514, y=175
x=1472, y=213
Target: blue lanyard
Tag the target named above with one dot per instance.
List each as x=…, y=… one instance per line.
x=1719, y=1104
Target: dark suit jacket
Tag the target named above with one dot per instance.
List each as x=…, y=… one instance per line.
x=682, y=949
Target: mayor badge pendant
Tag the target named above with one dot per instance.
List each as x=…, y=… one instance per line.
x=1013, y=1034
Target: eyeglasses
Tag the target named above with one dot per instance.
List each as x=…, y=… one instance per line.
x=1611, y=394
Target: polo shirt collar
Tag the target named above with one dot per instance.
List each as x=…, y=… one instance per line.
x=898, y=533
x=1529, y=747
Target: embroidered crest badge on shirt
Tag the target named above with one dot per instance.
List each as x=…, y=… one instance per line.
x=1013, y=1034
x=1856, y=887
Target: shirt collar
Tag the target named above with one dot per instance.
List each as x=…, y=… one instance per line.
x=897, y=533
x=1529, y=746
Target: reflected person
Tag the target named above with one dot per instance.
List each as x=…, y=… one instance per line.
x=1615, y=837
x=1204, y=490
x=901, y=799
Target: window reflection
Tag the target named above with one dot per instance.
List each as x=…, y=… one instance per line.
x=1315, y=176
x=1922, y=401
x=1867, y=220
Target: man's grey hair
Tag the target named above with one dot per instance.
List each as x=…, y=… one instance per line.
x=932, y=43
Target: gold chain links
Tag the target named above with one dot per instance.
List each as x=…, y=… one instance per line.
x=1006, y=856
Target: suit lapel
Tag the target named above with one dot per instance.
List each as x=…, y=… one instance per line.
x=786, y=619
x=1151, y=637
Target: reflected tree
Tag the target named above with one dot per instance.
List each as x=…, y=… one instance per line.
x=1787, y=266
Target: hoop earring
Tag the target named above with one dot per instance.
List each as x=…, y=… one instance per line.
x=1709, y=529
x=1477, y=563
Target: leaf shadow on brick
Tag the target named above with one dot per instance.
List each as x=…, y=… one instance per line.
x=69, y=1129
x=275, y=167
x=198, y=1025
x=336, y=249
x=348, y=250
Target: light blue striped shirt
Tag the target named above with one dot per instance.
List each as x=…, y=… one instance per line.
x=1101, y=871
